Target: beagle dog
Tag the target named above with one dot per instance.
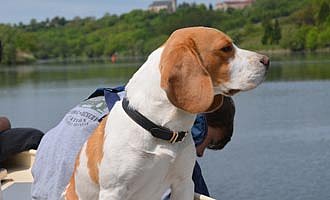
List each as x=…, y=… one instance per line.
x=189, y=74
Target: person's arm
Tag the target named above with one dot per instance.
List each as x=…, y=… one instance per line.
x=4, y=124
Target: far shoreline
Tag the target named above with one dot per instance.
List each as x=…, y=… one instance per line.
x=139, y=59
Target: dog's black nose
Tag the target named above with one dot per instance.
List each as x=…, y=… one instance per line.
x=265, y=60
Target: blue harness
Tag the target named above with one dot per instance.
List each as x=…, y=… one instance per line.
x=110, y=94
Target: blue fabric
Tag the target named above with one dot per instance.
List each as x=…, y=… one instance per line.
x=110, y=95
x=200, y=185
x=199, y=129
x=199, y=133
x=100, y=91
x=110, y=98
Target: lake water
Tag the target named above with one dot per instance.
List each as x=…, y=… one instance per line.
x=281, y=144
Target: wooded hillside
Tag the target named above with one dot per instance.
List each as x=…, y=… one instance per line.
x=268, y=24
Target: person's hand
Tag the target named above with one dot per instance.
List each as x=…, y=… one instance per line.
x=4, y=124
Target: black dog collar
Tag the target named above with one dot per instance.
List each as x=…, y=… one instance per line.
x=155, y=130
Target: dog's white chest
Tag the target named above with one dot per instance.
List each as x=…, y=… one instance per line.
x=144, y=166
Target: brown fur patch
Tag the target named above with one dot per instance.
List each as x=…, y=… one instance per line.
x=192, y=63
x=185, y=80
x=94, y=151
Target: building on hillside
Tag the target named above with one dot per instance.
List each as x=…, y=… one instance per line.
x=235, y=4
x=169, y=6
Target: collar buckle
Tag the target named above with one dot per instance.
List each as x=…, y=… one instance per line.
x=155, y=130
x=178, y=136
x=174, y=137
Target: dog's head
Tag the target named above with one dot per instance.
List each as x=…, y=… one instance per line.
x=199, y=65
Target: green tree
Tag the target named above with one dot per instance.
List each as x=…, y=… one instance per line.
x=139, y=32
x=311, y=39
x=1, y=51
x=7, y=37
x=33, y=26
x=304, y=16
x=277, y=35
x=9, y=52
x=210, y=7
x=295, y=38
x=324, y=12
x=57, y=21
x=268, y=31
x=324, y=38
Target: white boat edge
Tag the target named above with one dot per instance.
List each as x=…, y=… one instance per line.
x=19, y=171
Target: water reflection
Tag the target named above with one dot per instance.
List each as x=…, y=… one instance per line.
x=291, y=67
x=281, y=144
x=37, y=74
x=299, y=72
x=295, y=67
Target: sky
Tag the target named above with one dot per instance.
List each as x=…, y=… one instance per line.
x=15, y=11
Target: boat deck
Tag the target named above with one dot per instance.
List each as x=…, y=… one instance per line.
x=17, y=184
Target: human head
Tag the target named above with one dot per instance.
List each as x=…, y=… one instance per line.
x=220, y=127
x=4, y=124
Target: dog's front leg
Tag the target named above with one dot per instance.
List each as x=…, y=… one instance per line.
x=183, y=190
x=182, y=187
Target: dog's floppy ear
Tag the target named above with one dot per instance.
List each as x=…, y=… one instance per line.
x=185, y=80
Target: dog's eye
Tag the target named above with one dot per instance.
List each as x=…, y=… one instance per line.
x=227, y=49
